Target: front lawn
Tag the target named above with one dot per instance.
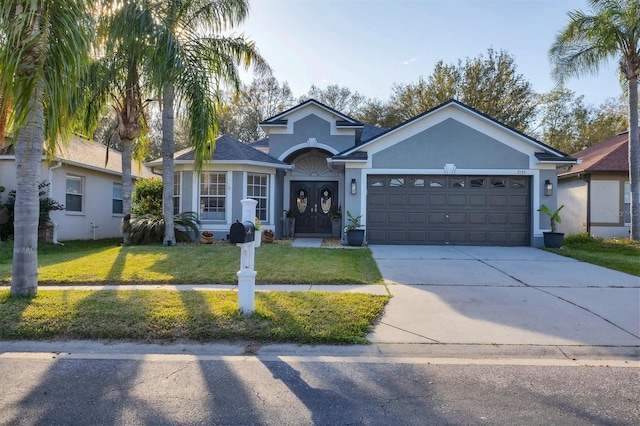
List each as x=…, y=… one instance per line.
x=200, y=316
x=106, y=262
x=621, y=255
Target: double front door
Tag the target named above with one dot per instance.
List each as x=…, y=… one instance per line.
x=312, y=202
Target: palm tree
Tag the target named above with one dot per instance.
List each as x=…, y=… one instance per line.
x=588, y=41
x=190, y=59
x=126, y=37
x=44, y=47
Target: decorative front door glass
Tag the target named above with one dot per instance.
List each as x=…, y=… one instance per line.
x=302, y=200
x=325, y=200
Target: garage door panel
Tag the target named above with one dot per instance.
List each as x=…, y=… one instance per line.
x=436, y=218
x=518, y=201
x=397, y=218
x=458, y=199
x=418, y=200
x=417, y=217
x=438, y=236
x=457, y=218
x=457, y=236
x=397, y=235
x=498, y=218
x=518, y=219
x=477, y=236
x=376, y=217
x=437, y=199
x=477, y=200
x=376, y=200
x=477, y=218
x=498, y=201
x=464, y=210
x=417, y=236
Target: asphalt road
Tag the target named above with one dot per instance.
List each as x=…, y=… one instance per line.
x=40, y=388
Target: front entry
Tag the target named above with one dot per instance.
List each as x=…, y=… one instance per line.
x=312, y=202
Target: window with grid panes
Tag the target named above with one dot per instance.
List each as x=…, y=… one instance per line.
x=258, y=189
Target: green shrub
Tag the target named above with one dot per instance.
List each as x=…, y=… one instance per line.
x=581, y=239
x=147, y=197
x=149, y=229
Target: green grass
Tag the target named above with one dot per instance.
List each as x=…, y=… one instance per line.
x=200, y=316
x=621, y=255
x=105, y=262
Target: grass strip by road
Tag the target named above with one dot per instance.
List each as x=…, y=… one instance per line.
x=106, y=262
x=157, y=316
x=621, y=255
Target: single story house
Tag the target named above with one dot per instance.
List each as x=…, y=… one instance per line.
x=596, y=192
x=451, y=175
x=90, y=190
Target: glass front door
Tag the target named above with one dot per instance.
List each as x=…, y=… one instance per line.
x=312, y=202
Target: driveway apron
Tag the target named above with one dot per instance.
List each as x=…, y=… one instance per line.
x=505, y=296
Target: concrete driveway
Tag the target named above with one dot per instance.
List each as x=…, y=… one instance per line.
x=504, y=296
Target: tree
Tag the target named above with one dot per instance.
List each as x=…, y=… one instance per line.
x=569, y=125
x=126, y=33
x=44, y=47
x=589, y=41
x=190, y=54
x=242, y=112
x=489, y=84
x=339, y=98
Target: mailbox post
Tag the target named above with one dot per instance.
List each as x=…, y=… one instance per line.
x=247, y=274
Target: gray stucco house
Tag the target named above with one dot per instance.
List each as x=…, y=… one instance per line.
x=451, y=175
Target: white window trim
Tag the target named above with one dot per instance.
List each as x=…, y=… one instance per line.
x=268, y=196
x=176, y=208
x=82, y=196
x=113, y=198
x=227, y=195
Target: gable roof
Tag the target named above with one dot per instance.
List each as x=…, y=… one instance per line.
x=228, y=150
x=549, y=155
x=88, y=154
x=280, y=119
x=610, y=155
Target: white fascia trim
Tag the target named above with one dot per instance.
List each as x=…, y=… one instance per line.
x=301, y=146
x=458, y=172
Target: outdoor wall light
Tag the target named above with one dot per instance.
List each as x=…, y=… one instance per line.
x=548, y=188
x=354, y=187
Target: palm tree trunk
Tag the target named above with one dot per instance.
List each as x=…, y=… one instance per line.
x=634, y=158
x=168, y=149
x=127, y=186
x=28, y=150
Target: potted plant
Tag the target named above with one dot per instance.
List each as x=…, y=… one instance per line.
x=267, y=236
x=552, y=239
x=206, y=237
x=257, y=238
x=335, y=214
x=290, y=223
x=353, y=230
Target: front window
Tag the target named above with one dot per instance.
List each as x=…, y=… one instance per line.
x=258, y=189
x=116, y=204
x=74, y=193
x=213, y=196
x=627, y=202
x=176, y=193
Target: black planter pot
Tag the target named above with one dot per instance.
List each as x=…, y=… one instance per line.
x=553, y=239
x=355, y=237
x=336, y=228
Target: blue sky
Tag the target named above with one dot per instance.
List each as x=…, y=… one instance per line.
x=367, y=45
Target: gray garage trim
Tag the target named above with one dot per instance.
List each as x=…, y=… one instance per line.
x=457, y=210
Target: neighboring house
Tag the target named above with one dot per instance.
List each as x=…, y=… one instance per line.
x=448, y=176
x=596, y=193
x=90, y=190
